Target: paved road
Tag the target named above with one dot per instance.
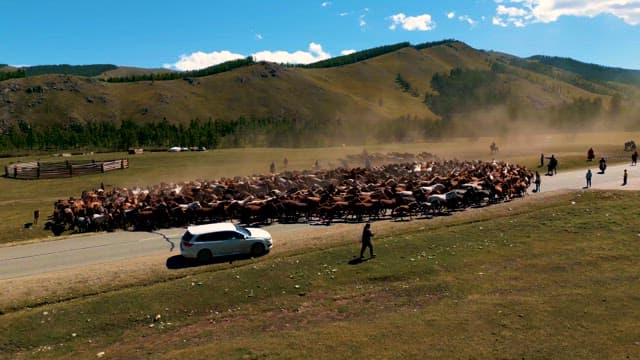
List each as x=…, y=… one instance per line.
x=610, y=180
x=77, y=251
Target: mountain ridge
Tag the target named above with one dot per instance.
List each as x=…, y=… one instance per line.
x=392, y=92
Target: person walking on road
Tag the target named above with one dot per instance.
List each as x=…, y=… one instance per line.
x=536, y=181
x=552, y=165
x=624, y=178
x=634, y=158
x=541, y=160
x=366, y=241
x=588, y=177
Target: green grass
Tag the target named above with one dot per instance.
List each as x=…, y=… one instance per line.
x=551, y=278
x=19, y=197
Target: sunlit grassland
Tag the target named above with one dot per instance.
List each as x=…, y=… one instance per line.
x=19, y=198
x=545, y=279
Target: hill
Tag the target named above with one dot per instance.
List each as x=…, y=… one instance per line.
x=393, y=93
x=591, y=71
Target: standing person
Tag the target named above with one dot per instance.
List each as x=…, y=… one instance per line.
x=285, y=162
x=624, y=178
x=537, y=182
x=272, y=167
x=603, y=165
x=36, y=216
x=541, y=160
x=588, y=177
x=366, y=241
x=552, y=166
x=634, y=158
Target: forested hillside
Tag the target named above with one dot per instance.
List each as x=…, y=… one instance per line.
x=591, y=71
x=400, y=92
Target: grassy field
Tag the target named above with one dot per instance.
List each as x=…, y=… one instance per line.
x=19, y=198
x=550, y=277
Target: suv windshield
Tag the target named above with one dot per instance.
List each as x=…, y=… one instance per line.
x=243, y=230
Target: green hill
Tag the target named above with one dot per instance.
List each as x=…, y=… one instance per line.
x=391, y=93
x=591, y=71
x=79, y=70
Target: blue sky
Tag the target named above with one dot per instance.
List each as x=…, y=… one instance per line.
x=192, y=34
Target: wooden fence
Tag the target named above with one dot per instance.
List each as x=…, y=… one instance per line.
x=61, y=169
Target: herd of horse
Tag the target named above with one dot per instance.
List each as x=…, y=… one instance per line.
x=399, y=191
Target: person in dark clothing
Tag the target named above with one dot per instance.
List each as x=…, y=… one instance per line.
x=541, y=160
x=552, y=166
x=591, y=154
x=634, y=158
x=536, y=181
x=624, y=178
x=366, y=241
x=588, y=177
x=272, y=167
x=603, y=165
x=36, y=216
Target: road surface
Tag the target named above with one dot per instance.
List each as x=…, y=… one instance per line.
x=81, y=250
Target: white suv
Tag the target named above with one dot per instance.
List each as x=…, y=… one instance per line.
x=223, y=239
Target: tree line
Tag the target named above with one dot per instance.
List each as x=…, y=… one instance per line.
x=464, y=90
x=591, y=71
x=209, y=133
x=65, y=69
x=6, y=75
x=211, y=70
x=79, y=70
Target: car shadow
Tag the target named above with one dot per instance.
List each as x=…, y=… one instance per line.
x=177, y=262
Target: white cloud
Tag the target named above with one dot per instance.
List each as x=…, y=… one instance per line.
x=259, y=36
x=468, y=20
x=200, y=60
x=412, y=23
x=361, y=21
x=510, y=11
x=451, y=15
x=498, y=22
x=342, y=14
x=525, y=12
x=326, y=4
x=315, y=53
x=347, y=52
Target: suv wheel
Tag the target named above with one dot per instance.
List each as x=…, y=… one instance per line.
x=257, y=249
x=204, y=256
